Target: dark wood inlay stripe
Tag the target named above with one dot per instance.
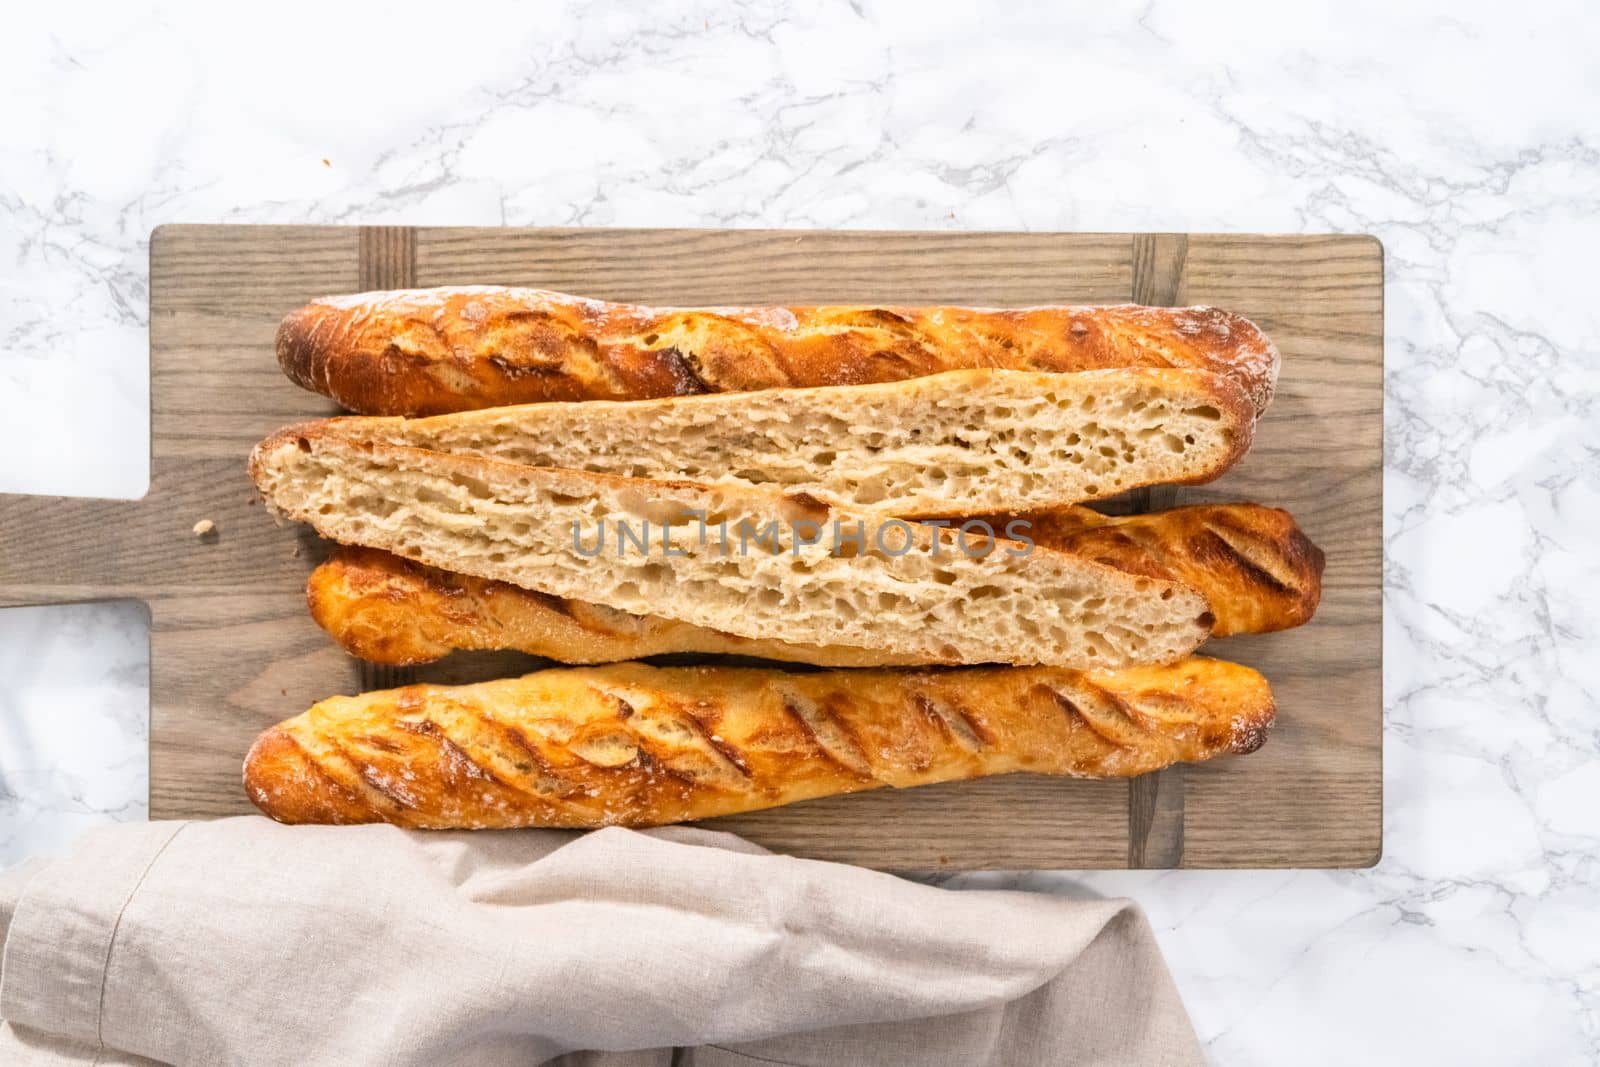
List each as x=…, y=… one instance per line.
x=387, y=259
x=1155, y=819
x=1155, y=801
x=1158, y=260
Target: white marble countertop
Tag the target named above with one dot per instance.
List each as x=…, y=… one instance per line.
x=1467, y=140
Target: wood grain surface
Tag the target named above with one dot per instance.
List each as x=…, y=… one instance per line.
x=232, y=649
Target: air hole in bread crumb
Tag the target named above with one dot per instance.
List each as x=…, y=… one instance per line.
x=651, y=338
x=437, y=499
x=474, y=486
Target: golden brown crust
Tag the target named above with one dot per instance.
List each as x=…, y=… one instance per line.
x=1252, y=564
x=635, y=745
x=431, y=351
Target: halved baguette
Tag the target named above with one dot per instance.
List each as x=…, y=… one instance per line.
x=862, y=580
x=959, y=443
x=638, y=746
x=385, y=609
x=430, y=351
x=1252, y=564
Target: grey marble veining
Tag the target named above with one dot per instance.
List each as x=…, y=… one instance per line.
x=73, y=722
x=1464, y=136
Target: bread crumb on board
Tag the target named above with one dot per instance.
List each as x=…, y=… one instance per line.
x=204, y=527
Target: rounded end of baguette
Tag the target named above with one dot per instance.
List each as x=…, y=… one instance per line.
x=1231, y=345
x=378, y=607
x=1301, y=588
x=1254, y=707
x=283, y=780
x=297, y=354
x=1248, y=736
x=1239, y=412
x=1245, y=354
x=1200, y=338
x=371, y=365
x=1212, y=705
x=1254, y=563
x=269, y=459
x=1263, y=353
x=427, y=352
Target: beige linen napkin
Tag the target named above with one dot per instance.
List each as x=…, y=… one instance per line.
x=244, y=942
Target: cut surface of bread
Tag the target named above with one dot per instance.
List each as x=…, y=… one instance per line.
x=958, y=443
x=429, y=351
x=638, y=746
x=1252, y=564
x=754, y=563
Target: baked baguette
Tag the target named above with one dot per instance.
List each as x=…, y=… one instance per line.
x=958, y=443
x=430, y=351
x=1252, y=564
x=638, y=746
x=821, y=577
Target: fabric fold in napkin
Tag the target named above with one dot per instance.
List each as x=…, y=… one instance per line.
x=243, y=941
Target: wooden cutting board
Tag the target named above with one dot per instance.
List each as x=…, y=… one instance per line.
x=232, y=649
